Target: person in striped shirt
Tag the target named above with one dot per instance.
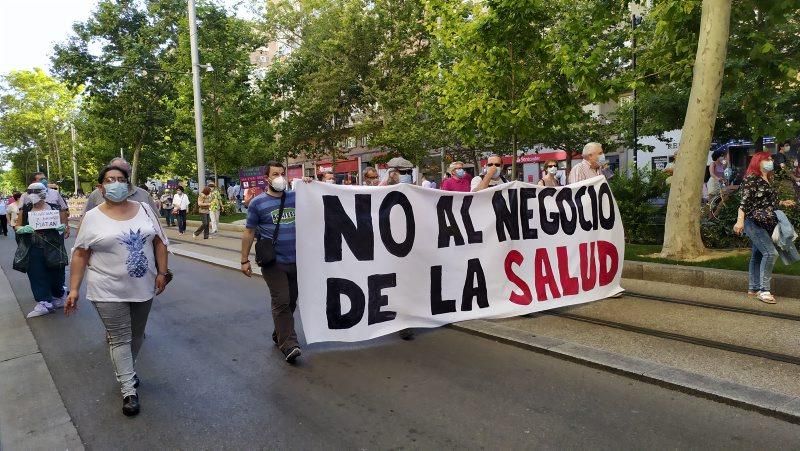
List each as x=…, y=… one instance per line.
x=592, y=164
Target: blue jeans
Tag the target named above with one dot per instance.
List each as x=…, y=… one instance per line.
x=167, y=214
x=763, y=257
x=125, y=323
x=46, y=283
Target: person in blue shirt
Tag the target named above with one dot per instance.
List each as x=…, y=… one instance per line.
x=280, y=275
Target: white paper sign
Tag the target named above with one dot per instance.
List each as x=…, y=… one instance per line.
x=375, y=260
x=45, y=219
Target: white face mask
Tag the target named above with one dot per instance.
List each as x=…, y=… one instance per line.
x=278, y=183
x=552, y=171
x=331, y=181
x=33, y=199
x=601, y=159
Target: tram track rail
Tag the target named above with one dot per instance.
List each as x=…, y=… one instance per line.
x=708, y=343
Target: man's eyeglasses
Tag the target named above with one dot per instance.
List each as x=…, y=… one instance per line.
x=404, y=171
x=497, y=165
x=115, y=179
x=35, y=191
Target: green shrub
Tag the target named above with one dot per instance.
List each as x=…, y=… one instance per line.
x=637, y=197
x=718, y=233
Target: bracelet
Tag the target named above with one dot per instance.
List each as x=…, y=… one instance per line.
x=246, y=261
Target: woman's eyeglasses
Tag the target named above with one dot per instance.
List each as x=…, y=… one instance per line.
x=552, y=166
x=497, y=165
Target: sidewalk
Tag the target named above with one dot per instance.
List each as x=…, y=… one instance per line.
x=32, y=414
x=649, y=350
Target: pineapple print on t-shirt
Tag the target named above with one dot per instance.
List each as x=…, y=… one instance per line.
x=136, y=261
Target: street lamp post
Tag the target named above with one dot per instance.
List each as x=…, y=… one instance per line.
x=636, y=19
x=198, y=108
x=74, y=159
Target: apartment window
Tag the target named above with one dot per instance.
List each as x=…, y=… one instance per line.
x=351, y=142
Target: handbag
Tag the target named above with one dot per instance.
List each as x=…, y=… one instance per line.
x=55, y=253
x=21, y=256
x=265, y=249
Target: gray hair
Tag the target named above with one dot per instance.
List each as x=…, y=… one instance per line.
x=119, y=161
x=369, y=169
x=452, y=166
x=588, y=147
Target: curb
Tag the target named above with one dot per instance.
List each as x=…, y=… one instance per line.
x=32, y=413
x=220, y=262
x=222, y=225
x=774, y=404
x=698, y=276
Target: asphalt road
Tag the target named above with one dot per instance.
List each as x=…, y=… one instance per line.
x=211, y=378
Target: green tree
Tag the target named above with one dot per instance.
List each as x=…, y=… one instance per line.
x=35, y=110
x=131, y=100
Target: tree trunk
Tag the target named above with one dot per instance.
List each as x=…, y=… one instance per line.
x=135, y=163
x=682, y=239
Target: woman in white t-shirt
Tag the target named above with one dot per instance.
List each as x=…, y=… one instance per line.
x=126, y=253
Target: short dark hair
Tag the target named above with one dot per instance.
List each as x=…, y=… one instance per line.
x=274, y=164
x=181, y=188
x=17, y=195
x=102, y=176
x=788, y=142
x=33, y=176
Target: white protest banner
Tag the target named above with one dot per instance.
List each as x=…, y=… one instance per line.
x=45, y=219
x=375, y=260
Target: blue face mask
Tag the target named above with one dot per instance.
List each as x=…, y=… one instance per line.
x=459, y=173
x=116, y=192
x=406, y=178
x=768, y=166
x=44, y=182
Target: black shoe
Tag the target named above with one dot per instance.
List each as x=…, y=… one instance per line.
x=293, y=354
x=406, y=334
x=275, y=338
x=130, y=405
x=135, y=381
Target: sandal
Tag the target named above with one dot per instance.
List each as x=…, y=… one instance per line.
x=752, y=293
x=766, y=297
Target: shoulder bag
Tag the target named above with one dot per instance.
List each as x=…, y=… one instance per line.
x=160, y=232
x=265, y=249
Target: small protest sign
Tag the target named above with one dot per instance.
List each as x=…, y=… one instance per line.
x=46, y=219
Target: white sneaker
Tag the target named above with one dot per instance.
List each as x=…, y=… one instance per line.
x=59, y=302
x=40, y=310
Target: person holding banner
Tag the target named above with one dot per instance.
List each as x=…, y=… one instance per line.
x=592, y=164
x=277, y=261
x=40, y=250
x=459, y=179
x=125, y=250
x=492, y=175
x=549, y=178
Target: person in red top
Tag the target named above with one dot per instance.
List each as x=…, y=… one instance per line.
x=459, y=179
